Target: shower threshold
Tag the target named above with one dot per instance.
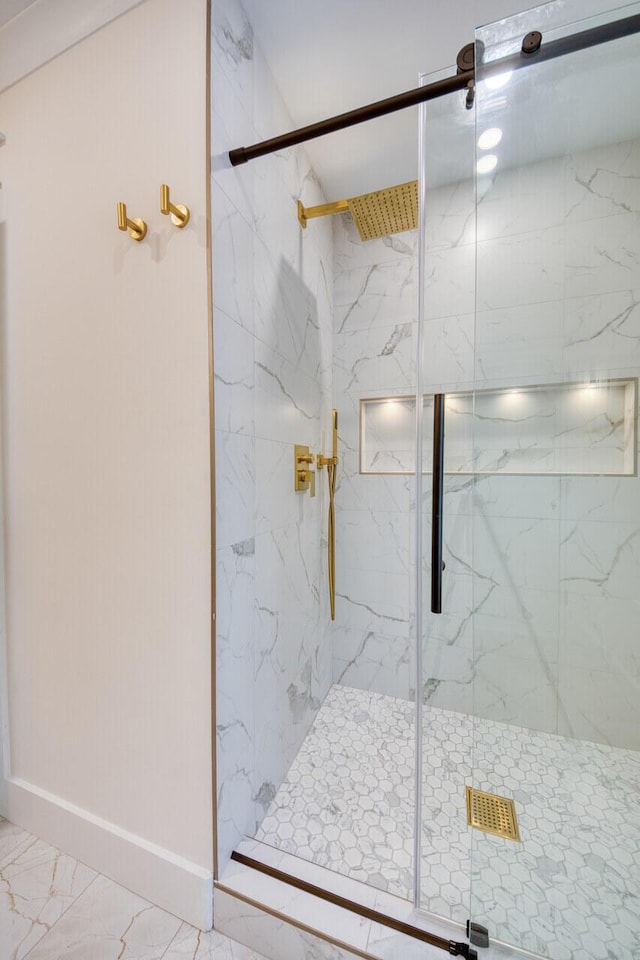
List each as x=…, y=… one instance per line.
x=351, y=915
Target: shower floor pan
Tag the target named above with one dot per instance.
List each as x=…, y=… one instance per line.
x=573, y=880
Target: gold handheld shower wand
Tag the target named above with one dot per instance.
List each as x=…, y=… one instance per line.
x=331, y=464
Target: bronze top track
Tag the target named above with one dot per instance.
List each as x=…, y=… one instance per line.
x=582, y=40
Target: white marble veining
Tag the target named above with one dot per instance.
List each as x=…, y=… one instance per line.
x=52, y=906
x=190, y=944
x=272, y=299
x=557, y=302
x=347, y=804
x=37, y=886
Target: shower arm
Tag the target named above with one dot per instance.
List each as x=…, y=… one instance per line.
x=533, y=51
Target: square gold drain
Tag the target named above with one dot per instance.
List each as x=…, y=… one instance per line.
x=491, y=813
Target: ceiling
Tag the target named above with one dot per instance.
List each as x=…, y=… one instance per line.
x=11, y=8
x=332, y=56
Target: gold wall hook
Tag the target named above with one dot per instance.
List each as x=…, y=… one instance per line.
x=137, y=228
x=179, y=213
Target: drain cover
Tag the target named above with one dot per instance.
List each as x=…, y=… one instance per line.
x=491, y=813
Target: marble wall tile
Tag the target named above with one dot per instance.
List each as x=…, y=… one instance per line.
x=603, y=182
x=235, y=702
x=373, y=661
x=287, y=401
x=273, y=292
x=604, y=499
x=379, y=294
x=600, y=559
x=286, y=315
x=232, y=244
x=521, y=341
x=451, y=215
x=450, y=282
x=526, y=268
x=600, y=706
x=588, y=640
x=556, y=301
x=379, y=600
x=384, y=360
x=601, y=334
x=515, y=690
x=235, y=488
x=521, y=552
x=233, y=47
x=448, y=352
x=372, y=542
x=351, y=253
x=523, y=199
x=233, y=376
x=231, y=112
x=602, y=256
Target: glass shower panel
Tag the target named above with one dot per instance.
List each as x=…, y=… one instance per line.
x=332, y=700
x=555, y=494
x=447, y=258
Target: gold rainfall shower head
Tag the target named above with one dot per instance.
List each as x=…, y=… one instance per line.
x=378, y=214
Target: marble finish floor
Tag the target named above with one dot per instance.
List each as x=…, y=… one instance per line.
x=53, y=907
x=571, y=887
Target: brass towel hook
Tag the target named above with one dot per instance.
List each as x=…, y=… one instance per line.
x=137, y=228
x=179, y=213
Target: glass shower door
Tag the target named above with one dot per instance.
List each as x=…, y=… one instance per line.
x=555, y=852
x=445, y=701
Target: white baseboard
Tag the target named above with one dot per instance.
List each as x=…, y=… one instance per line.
x=160, y=876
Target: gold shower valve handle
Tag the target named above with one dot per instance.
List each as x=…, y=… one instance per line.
x=137, y=228
x=304, y=478
x=178, y=212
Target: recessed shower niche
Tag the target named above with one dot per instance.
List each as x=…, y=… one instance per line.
x=563, y=428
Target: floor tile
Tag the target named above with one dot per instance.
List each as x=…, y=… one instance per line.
x=191, y=944
x=10, y=837
x=37, y=885
x=108, y=923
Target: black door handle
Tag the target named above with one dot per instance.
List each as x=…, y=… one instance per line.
x=437, y=565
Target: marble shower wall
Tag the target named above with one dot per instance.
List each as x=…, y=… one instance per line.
x=540, y=588
x=542, y=582
x=374, y=348
x=272, y=289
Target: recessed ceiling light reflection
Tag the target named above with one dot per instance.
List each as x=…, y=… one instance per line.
x=498, y=80
x=490, y=138
x=487, y=164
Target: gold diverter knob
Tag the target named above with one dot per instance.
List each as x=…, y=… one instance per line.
x=304, y=478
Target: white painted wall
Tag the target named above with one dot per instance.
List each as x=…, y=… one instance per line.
x=36, y=32
x=106, y=456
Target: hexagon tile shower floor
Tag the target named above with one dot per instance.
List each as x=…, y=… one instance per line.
x=347, y=804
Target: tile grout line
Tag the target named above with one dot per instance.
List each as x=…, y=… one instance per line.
x=39, y=942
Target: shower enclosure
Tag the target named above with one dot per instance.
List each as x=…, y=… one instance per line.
x=484, y=662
